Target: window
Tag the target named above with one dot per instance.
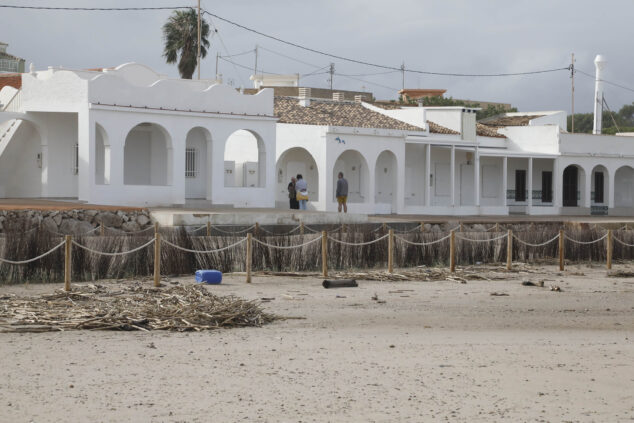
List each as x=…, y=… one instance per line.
x=191, y=165
x=598, y=187
x=547, y=187
x=520, y=185
x=75, y=168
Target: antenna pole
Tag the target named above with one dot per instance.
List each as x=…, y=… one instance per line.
x=198, y=55
x=403, y=74
x=332, y=74
x=572, y=77
x=255, y=67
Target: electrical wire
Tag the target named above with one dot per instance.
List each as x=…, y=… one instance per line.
x=367, y=82
x=244, y=66
x=226, y=51
x=376, y=65
x=100, y=9
x=604, y=80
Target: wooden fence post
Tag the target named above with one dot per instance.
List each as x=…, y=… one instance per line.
x=249, y=256
x=461, y=227
x=257, y=228
x=301, y=228
x=102, y=229
x=156, y=228
x=390, y=252
x=157, y=258
x=67, y=262
x=497, y=227
x=608, y=263
x=208, y=228
x=561, y=249
x=384, y=227
x=324, y=254
x=452, y=251
x=422, y=226
x=509, y=249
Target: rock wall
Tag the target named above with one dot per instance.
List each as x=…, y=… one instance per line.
x=74, y=222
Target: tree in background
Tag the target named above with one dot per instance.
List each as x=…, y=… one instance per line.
x=624, y=119
x=180, y=34
x=490, y=110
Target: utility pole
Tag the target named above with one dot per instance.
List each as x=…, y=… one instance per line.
x=403, y=74
x=255, y=67
x=332, y=74
x=572, y=77
x=198, y=56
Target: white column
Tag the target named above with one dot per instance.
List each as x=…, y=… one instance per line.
x=556, y=184
x=476, y=171
x=428, y=175
x=530, y=183
x=504, y=180
x=611, y=180
x=86, y=145
x=452, y=175
x=587, y=201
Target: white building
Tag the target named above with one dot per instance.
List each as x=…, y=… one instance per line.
x=129, y=136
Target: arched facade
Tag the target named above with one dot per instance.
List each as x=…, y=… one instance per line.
x=245, y=160
x=624, y=187
x=355, y=170
x=295, y=161
x=385, y=177
x=147, y=157
x=573, y=186
x=198, y=163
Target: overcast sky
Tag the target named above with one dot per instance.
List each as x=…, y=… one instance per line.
x=468, y=36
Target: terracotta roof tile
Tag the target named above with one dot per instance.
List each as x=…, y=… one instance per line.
x=434, y=128
x=487, y=131
x=332, y=113
x=504, y=120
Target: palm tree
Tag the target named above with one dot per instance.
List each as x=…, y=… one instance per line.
x=180, y=33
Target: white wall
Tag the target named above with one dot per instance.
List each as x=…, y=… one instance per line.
x=415, y=174
x=491, y=188
x=20, y=175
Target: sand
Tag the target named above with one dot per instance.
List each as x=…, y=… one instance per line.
x=433, y=351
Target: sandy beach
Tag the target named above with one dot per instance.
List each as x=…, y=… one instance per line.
x=420, y=351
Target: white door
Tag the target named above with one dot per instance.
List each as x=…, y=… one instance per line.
x=467, y=186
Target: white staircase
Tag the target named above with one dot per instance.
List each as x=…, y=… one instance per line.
x=9, y=127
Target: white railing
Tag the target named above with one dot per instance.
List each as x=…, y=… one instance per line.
x=15, y=104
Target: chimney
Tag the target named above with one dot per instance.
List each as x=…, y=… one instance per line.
x=304, y=97
x=3, y=47
x=599, y=64
x=337, y=96
x=358, y=99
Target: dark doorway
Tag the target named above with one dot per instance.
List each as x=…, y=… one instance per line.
x=520, y=185
x=547, y=187
x=570, y=186
x=598, y=187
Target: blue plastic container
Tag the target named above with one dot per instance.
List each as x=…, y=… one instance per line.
x=209, y=276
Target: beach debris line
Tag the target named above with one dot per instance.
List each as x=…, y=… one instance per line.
x=131, y=308
x=339, y=283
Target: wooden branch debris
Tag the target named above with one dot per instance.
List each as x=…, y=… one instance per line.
x=133, y=307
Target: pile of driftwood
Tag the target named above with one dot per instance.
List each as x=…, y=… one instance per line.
x=133, y=307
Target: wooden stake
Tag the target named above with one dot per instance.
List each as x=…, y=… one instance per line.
x=157, y=258
x=509, y=249
x=422, y=226
x=384, y=227
x=301, y=228
x=208, y=228
x=497, y=227
x=249, y=256
x=102, y=230
x=324, y=254
x=257, y=228
x=390, y=252
x=610, y=249
x=461, y=228
x=156, y=228
x=452, y=251
x=67, y=262
x=561, y=249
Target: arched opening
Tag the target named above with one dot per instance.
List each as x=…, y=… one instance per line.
x=624, y=187
x=147, y=156
x=599, y=185
x=295, y=161
x=355, y=170
x=385, y=179
x=21, y=163
x=573, y=186
x=102, y=156
x=245, y=160
x=197, y=163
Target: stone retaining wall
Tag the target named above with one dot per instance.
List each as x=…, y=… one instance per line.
x=74, y=222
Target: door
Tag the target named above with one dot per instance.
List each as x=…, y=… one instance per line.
x=520, y=185
x=598, y=187
x=547, y=187
x=570, y=186
x=467, y=185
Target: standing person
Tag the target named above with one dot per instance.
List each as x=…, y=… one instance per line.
x=302, y=191
x=342, y=193
x=292, y=194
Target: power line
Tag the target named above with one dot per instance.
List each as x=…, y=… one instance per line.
x=367, y=82
x=227, y=51
x=361, y=62
x=603, y=80
x=249, y=68
x=100, y=9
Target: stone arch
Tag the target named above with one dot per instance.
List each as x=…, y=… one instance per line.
x=573, y=186
x=385, y=179
x=147, y=156
x=102, y=156
x=245, y=159
x=297, y=160
x=599, y=185
x=198, y=163
x=355, y=169
x=624, y=187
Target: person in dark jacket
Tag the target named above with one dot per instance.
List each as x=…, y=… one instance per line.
x=342, y=193
x=292, y=195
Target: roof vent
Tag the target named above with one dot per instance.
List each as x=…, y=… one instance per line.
x=358, y=99
x=337, y=96
x=304, y=96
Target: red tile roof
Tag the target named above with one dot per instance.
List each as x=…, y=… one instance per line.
x=11, y=79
